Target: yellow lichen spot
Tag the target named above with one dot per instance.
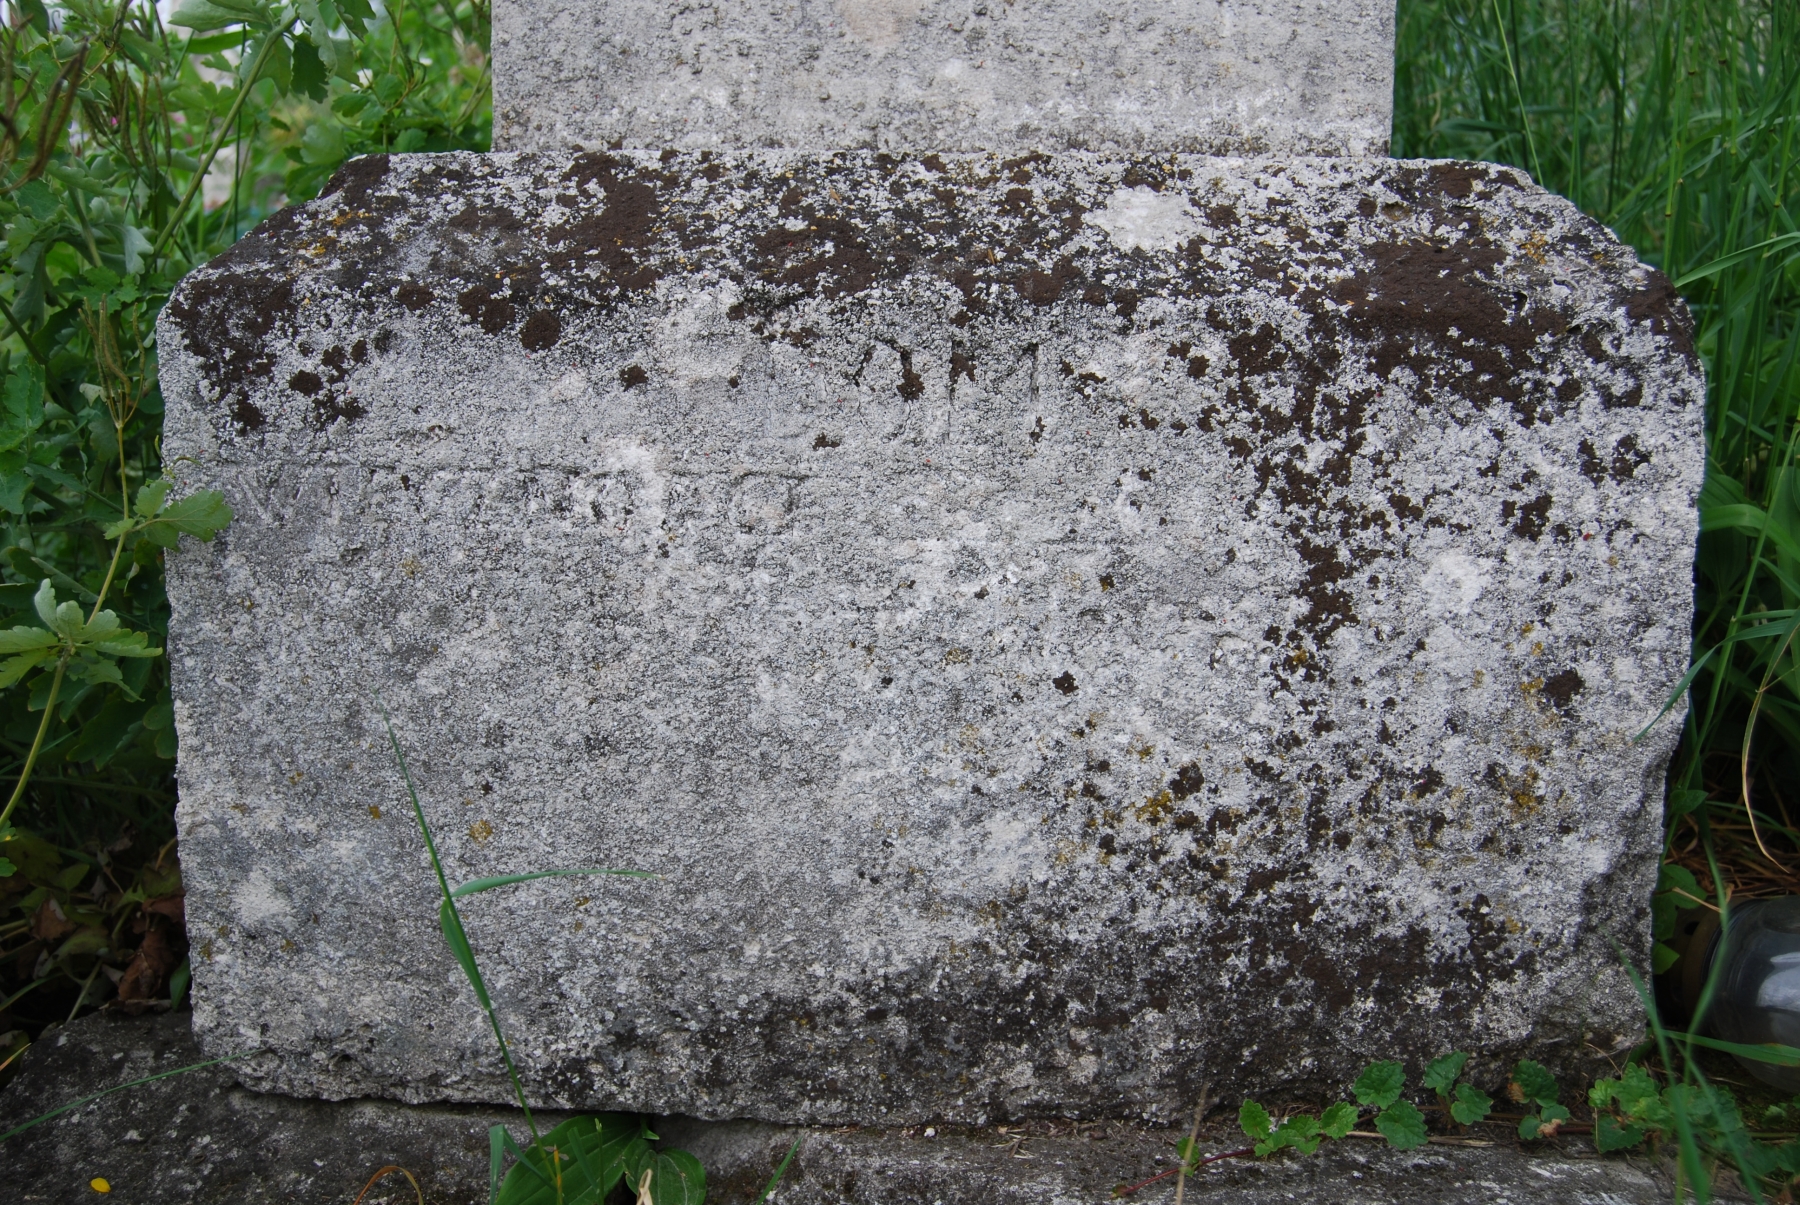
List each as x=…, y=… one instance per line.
x=99, y=1184
x=1535, y=247
x=1528, y=629
x=295, y=777
x=1613, y=560
x=1156, y=809
x=206, y=951
x=375, y=810
x=410, y=566
x=579, y=926
x=582, y=901
x=1537, y=648
x=956, y=657
x=480, y=831
x=1532, y=686
x=1480, y=677
x=288, y=946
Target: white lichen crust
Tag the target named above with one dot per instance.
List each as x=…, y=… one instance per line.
x=1064, y=631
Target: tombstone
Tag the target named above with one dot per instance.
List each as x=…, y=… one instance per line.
x=1213, y=76
x=1066, y=629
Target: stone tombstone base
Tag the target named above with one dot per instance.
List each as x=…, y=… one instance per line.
x=1064, y=631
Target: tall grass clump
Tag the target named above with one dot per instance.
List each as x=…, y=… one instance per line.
x=1677, y=124
x=137, y=142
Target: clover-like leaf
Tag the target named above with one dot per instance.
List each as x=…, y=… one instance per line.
x=1544, y=1123
x=1379, y=1084
x=1338, y=1120
x=1609, y=1135
x=1532, y=1083
x=1471, y=1104
x=1441, y=1075
x=1254, y=1120
x=1402, y=1125
x=1300, y=1132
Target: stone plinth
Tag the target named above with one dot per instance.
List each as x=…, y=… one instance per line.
x=1215, y=76
x=1064, y=630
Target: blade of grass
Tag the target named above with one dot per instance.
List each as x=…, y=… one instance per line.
x=780, y=1171
x=148, y=1079
x=452, y=925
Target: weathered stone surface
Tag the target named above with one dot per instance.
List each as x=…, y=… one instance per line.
x=198, y=1140
x=1063, y=630
x=1212, y=76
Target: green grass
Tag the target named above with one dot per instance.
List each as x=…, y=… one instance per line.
x=1677, y=124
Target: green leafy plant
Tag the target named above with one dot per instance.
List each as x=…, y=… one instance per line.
x=1534, y=1087
x=1299, y=1131
x=1466, y=1104
x=133, y=148
x=1399, y=1121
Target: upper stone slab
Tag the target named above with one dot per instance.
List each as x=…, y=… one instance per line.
x=1064, y=630
x=1214, y=76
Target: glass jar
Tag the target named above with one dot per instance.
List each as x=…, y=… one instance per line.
x=1755, y=965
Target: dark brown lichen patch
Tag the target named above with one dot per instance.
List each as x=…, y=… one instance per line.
x=1660, y=305
x=481, y=305
x=353, y=182
x=632, y=375
x=541, y=331
x=1560, y=689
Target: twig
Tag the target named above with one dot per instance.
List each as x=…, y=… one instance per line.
x=1242, y=1153
x=389, y=1170
x=1193, y=1137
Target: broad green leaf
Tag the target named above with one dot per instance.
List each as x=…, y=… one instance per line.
x=1380, y=1084
x=1441, y=1075
x=96, y=671
x=21, y=639
x=203, y=15
x=1300, y=1132
x=1338, y=1120
x=14, y=668
x=1402, y=1125
x=1471, y=1104
x=1662, y=957
x=199, y=514
x=1609, y=1135
x=310, y=73
x=36, y=198
x=676, y=1177
x=124, y=644
x=504, y=880
x=150, y=498
x=577, y=1163
x=1534, y=1083
x=1254, y=1120
x=1680, y=879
